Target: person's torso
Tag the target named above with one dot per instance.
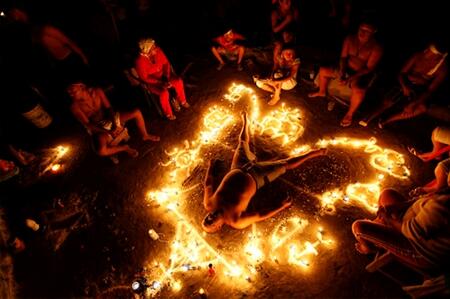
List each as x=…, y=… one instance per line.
x=55, y=47
x=153, y=65
x=359, y=54
x=91, y=106
x=235, y=191
x=421, y=72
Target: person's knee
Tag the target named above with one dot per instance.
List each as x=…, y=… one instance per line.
x=359, y=227
x=387, y=196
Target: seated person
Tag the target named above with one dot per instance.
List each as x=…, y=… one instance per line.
x=228, y=204
x=284, y=74
x=92, y=109
x=227, y=47
x=287, y=38
x=418, y=80
x=441, y=144
x=360, y=56
x=284, y=19
x=153, y=68
x=416, y=231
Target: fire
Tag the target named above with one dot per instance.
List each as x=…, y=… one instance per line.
x=291, y=241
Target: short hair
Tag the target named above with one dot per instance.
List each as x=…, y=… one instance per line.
x=213, y=221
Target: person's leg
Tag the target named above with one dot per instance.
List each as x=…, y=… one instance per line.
x=178, y=85
x=105, y=150
x=140, y=123
x=264, y=84
x=410, y=111
x=440, y=138
x=276, y=94
x=164, y=100
x=242, y=153
x=215, y=51
x=325, y=74
x=371, y=235
x=296, y=161
x=390, y=100
x=241, y=51
x=356, y=99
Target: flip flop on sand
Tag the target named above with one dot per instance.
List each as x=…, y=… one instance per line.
x=346, y=122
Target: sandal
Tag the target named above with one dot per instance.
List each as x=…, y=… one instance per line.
x=346, y=122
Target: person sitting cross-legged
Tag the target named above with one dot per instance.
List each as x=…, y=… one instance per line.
x=228, y=204
x=92, y=109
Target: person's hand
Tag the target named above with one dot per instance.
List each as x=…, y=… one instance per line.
x=289, y=18
x=116, y=132
x=286, y=203
x=406, y=91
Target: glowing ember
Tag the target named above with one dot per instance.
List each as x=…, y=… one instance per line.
x=55, y=167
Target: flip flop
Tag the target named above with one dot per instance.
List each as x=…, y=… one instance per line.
x=345, y=122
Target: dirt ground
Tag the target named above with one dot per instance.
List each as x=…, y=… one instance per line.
x=102, y=252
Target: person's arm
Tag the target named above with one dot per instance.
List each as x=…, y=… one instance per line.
x=59, y=35
x=292, y=74
x=372, y=63
x=404, y=73
x=106, y=105
x=279, y=27
x=246, y=218
x=344, y=57
x=167, y=68
x=143, y=74
x=434, y=85
x=208, y=186
x=84, y=120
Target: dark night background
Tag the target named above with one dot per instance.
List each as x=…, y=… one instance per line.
x=184, y=30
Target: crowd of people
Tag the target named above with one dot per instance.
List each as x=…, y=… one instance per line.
x=416, y=228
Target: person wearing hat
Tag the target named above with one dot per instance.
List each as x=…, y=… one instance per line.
x=154, y=68
x=227, y=47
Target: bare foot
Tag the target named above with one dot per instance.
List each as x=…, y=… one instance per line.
x=316, y=94
x=151, y=138
x=363, y=249
x=273, y=101
x=346, y=121
x=132, y=152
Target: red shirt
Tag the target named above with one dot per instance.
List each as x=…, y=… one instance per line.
x=151, y=70
x=229, y=44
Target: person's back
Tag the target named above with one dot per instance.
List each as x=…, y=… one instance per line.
x=426, y=225
x=89, y=102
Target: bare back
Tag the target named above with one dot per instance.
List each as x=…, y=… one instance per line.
x=234, y=193
x=90, y=105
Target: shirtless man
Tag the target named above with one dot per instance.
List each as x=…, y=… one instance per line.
x=228, y=204
x=66, y=52
x=418, y=80
x=359, y=58
x=227, y=47
x=92, y=109
x=283, y=20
